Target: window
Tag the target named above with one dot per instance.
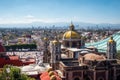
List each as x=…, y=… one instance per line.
x=87, y=78
x=100, y=78
x=56, y=57
x=76, y=78
x=118, y=77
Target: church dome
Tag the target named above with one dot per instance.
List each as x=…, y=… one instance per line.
x=53, y=77
x=93, y=56
x=2, y=49
x=71, y=33
x=49, y=69
x=51, y=73
x=45, y=39
x=56, y=41
x=111, y=40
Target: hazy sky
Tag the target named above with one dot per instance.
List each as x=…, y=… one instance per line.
x=26, y=11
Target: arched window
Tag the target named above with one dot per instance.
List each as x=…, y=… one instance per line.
x=87, y=78
x=101, y=78
x=76, y=78
x=56, y=57
x=118, y=77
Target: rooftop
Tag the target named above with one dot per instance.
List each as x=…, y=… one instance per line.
x=79, y=50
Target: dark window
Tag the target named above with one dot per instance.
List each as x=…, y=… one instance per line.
x=76, y=79
x=101, y=79
x=87, y=78
x=118, y=77
x=67, y=44
x=56, y=57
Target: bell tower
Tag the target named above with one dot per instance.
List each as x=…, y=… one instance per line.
x=46, y=52
x=111, y=49
x=55, y=49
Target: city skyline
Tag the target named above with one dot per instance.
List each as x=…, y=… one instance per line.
x=90, y=11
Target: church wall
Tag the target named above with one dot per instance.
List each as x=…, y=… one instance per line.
x=70, y=54
x=78, y=74
x=111, y=74
x=89, y=74
x=118, y=71
x=101, y=75
x=71, y=75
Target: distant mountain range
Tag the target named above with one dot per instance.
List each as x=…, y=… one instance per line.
x=60, y=24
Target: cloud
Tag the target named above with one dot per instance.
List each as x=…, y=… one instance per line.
x=29, y=17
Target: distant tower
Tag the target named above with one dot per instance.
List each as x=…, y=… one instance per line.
x=55, y=49
x=111, y=49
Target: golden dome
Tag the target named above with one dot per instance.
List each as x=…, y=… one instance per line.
x=71, y=35
x=50, y=69
x=93, y=56
x=56, y=41
x=111, y=40
x=45, y=39
x=53, y=77
x=51, y=73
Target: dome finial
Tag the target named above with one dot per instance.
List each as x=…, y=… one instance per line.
x=71, y=26
x=55, y=38
x=111, y=37
x=111, y=40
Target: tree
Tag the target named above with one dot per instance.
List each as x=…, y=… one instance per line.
x=13, y=73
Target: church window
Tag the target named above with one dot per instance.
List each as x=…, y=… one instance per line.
x=76, y=78
x=118, y=77
x=101, y=78
x=56, y=57
x=87, y=78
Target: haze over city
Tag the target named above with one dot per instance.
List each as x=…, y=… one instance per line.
x=51, y=11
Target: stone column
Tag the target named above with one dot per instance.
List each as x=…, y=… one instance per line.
x=94, y=75
x=114, y=73
x=107, y=75
x=70, y=76
x=82, y=75
x=70, y=44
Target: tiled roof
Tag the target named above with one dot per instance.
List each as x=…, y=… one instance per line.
x=13, y=57
x=45, y=76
